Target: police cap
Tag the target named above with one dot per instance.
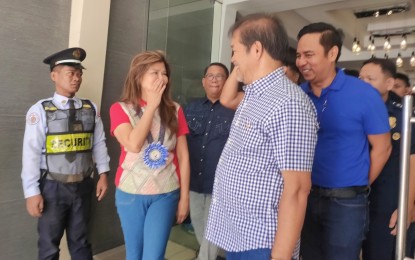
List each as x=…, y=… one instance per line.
x=70, y=57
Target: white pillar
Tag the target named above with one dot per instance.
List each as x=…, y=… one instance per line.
x=89, y=30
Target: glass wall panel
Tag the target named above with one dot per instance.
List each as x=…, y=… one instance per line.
x=183, y=29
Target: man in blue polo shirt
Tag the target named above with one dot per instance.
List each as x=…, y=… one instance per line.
x=352, y=116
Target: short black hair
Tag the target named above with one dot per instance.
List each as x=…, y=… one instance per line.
x=290, y=59
x=330, y=36
x=290, y=62
x=404, y=78
x=387, y=66
x=265, y=28
x=216, y=64
x=351, y=72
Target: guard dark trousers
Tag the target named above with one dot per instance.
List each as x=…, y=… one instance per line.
x=66, y=207
x=380, y=244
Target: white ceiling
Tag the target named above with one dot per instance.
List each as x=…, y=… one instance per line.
x=297, y=13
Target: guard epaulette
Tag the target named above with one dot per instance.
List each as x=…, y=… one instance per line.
x=49, y=106
x=87, y=104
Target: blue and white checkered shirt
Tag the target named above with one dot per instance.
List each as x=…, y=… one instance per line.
x=274, y=130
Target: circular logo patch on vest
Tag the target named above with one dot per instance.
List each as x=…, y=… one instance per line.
x=33, y=118
x=396, y=136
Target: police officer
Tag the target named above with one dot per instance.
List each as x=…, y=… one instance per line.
x=380, y=242
x=63, y=139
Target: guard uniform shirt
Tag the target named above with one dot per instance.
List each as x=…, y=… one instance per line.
x=34, y=158
x=385, y=189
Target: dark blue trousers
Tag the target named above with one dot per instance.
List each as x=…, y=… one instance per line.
x=380, y=244
x=410, y=241
x=334, y=228
x=66, y=207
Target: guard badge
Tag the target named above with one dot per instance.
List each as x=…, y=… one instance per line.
x=76, y=54
x=396, y=136
x=392, y=122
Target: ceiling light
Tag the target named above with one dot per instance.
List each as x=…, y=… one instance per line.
x=399, y=61
x=371, y=47
x=403, y=42
x=387, y=45
x=412, y=60
x=354, y=46
x=387, y=10
x=358, y=48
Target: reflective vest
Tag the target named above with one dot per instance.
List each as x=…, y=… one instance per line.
x=62, y=139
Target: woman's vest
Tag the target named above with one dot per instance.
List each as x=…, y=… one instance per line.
x=69, y=142
x=137, y=177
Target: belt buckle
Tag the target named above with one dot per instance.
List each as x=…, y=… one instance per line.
x=74, y=178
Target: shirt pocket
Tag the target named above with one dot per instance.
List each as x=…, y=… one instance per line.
x=222, y=126
x=88, y=119
x=250, y=133
x=197, y=124
x=57, y=122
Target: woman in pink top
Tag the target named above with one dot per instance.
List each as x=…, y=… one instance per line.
x=152, y=178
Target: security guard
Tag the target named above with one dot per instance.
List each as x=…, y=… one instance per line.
x=380, y=242
x=64, y=137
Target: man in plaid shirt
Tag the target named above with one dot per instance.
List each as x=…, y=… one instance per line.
x=263, y=176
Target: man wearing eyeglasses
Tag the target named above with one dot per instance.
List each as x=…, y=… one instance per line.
x=209, y=123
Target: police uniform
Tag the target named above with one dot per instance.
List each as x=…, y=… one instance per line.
x=380, y=244
x=62, y=143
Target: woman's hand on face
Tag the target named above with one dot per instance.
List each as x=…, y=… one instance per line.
x=155, y=93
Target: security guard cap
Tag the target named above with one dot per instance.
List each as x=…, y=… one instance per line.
x=70, y=57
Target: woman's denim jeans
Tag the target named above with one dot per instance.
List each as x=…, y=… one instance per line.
x=146, y=221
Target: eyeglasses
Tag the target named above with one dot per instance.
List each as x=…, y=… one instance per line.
x=217, y=77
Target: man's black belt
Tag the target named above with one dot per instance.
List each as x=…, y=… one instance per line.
x=341, y=193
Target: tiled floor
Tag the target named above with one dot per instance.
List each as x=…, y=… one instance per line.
x=174, y=252
x=181, y=246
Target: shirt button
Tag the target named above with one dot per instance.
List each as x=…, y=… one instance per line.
x=201, y=160
x=206, y=134
x=209, y=122
x=203, y=147
x=200, y=173
x=211, y=109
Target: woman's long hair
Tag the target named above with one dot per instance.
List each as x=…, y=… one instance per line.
x=132, y=87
